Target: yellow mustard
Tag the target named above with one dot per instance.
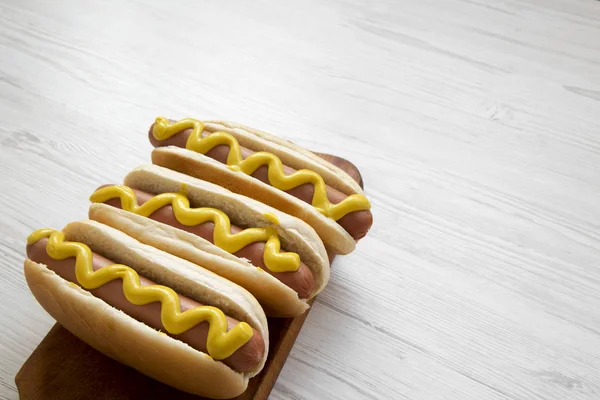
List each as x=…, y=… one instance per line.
x=163, y=130
x=222, y=236
x=220, y=343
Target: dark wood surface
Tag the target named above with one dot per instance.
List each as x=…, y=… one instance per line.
x=63, y=367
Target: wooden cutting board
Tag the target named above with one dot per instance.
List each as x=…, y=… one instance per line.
x=63, y=367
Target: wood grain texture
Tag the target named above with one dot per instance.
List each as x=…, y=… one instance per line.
x=474, y=124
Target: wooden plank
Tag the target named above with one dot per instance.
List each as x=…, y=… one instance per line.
x=63, y=367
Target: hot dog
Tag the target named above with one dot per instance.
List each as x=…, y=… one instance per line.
x=150, y=198
x=244, y=359
x=356, y=223
x=288, y=177
x=300, y=281
x=216, y=333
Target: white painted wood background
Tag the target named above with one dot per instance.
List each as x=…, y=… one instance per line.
x=475, y=123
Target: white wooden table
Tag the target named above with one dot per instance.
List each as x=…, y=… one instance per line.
x=476, y=125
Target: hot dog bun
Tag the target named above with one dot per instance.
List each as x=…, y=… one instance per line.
x=295, y=235
x=133, y=343
x=203, y=167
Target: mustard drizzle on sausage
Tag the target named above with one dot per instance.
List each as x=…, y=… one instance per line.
x=274, y=260
x=163, y=129
x=220, y=343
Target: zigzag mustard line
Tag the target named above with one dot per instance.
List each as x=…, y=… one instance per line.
x=163, y=129
x=220, y=343
x=222, y=236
